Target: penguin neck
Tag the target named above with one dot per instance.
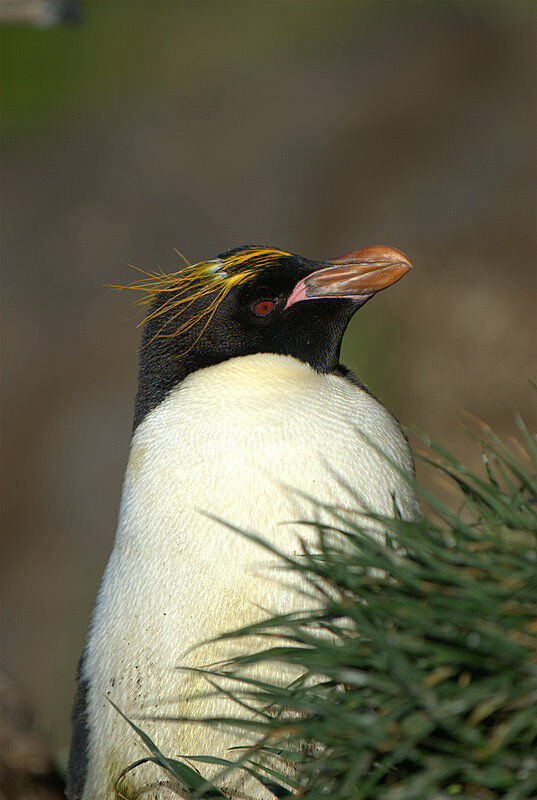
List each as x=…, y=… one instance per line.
x=161, y=371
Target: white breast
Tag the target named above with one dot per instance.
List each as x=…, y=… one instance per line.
x=231, y=441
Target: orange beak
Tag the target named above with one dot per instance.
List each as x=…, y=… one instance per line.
x=354, y=276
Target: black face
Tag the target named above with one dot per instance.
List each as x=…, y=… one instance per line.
x=252, y=318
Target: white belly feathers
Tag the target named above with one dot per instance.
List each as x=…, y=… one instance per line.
x=231, y=441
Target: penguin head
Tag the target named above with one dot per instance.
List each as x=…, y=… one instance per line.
x=254, y=300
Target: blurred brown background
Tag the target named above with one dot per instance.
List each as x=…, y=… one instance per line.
x=319, y=127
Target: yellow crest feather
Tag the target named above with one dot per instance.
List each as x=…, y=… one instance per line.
x=213, y=279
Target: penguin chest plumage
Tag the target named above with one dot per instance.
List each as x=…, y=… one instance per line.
x=245, y=442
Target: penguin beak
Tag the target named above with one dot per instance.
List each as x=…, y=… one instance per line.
x=355, y=276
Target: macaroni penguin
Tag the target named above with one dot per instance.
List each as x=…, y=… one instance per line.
x=241, y=400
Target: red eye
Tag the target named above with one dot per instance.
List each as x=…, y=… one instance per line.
x=264, y=307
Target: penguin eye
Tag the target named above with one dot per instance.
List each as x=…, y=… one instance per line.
x=263, y=308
